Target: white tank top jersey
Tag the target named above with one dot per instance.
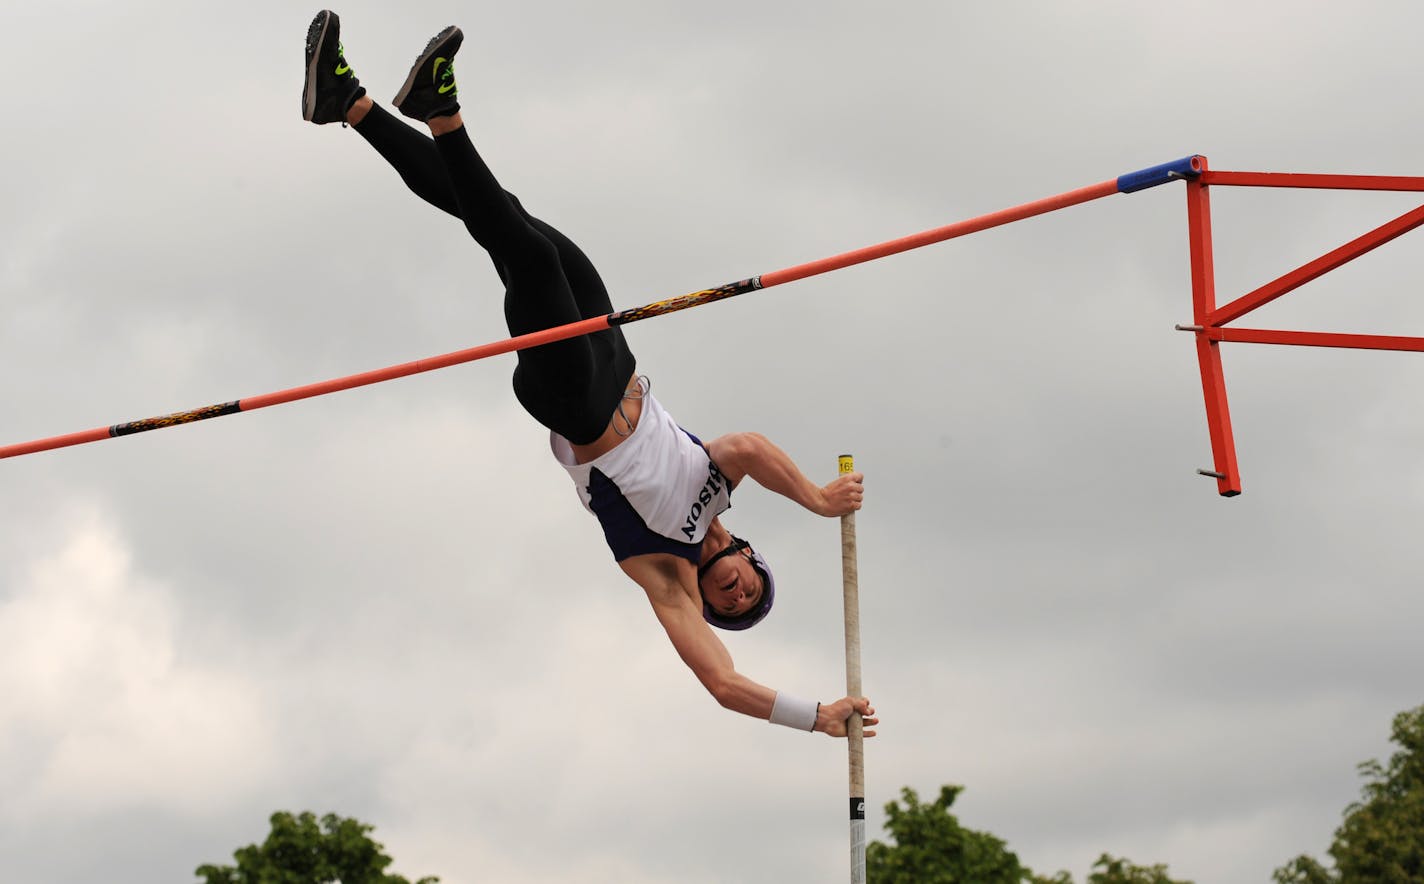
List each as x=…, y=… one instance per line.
x=656, y=491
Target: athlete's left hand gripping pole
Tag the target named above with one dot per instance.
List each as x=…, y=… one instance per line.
x=855, y=731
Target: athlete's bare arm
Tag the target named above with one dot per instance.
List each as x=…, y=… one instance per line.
x=666, y=579
x=751, y=454
x=671, y=585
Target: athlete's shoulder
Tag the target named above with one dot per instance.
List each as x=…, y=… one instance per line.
x=664, y=577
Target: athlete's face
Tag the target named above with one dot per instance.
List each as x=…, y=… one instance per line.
x=731, y=585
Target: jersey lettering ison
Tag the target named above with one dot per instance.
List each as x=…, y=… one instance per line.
x=656, y=492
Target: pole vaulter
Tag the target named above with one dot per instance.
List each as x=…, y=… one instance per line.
x=1187, y=168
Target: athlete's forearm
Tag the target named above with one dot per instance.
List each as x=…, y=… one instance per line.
x=750, y=698
x=738, y=693
x=670, y=584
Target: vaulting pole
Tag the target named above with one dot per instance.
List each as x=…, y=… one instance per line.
x=1185, y=168
x=855, y=730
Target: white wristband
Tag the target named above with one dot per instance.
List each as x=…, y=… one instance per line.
x=794, y=712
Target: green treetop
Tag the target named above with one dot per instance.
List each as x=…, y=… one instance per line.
x=299, y=851
x=931, y=847
x=1381, y=840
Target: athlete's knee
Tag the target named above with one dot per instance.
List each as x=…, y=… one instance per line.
x=518, y=206
x=530, y=252
x=513, y=244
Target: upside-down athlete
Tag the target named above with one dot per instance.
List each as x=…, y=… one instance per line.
x=656, y=489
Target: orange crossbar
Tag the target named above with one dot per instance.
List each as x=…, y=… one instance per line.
x=1129, y=183
x=940, y=234
x=307, y=391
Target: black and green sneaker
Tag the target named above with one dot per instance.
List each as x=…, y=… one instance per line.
x=331, y=87
x=430, y=91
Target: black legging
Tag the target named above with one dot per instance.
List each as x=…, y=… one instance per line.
x=573, y=386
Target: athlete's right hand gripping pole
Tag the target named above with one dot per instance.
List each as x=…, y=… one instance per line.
x=855, y=736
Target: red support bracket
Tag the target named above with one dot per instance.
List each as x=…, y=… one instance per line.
x=1208, y=320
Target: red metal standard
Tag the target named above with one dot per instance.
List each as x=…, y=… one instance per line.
x=1218, y=413
x=1316, y=339
x=1208, y=318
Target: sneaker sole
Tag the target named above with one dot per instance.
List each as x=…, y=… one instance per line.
x=323, y=20
x=436, y=43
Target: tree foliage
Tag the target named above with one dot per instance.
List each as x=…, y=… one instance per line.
x=1304, y=870
x=931, y=847
x=1381, y=840
x=300, y=851
x=1111, y=870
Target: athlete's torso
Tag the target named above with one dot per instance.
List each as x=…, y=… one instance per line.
x=655, y=491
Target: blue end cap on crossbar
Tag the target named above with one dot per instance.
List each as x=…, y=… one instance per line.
x=1186, y=167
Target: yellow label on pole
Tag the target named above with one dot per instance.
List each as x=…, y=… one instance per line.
x=847, y=464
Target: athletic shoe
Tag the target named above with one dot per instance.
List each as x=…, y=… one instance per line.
x=430, y=91
x=331, y=87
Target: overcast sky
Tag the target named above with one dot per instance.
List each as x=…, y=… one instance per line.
x=387, y=603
